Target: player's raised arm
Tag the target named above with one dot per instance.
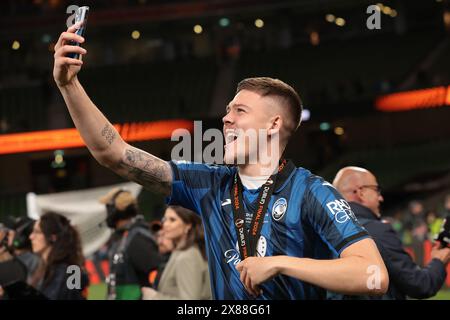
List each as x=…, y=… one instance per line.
x=101, y=138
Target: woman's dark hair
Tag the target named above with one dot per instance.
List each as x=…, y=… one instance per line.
x=195, y=235
x=65, y=242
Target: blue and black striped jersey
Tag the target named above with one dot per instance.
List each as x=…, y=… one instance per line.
x=306, y=217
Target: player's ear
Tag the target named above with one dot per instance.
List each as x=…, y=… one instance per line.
x=275, y=125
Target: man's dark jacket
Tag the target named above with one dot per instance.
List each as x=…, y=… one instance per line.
x=406, y=278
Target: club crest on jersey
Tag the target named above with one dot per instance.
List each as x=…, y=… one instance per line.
x=279, y=209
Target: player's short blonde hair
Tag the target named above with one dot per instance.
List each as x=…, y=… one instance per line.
x=284, y=93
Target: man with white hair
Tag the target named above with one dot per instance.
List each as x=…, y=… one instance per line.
x=360, y=188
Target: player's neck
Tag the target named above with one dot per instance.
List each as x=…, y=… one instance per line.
x=258, y=170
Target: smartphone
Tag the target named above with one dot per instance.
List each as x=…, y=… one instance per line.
x=81, y=15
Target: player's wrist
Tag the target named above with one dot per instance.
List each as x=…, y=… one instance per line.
x=277, y=265
x=71, y=84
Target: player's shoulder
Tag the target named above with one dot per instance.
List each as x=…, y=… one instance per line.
x=202, y=167
x=312, y=181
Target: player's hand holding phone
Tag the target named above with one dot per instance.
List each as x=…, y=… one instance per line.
x=68, y=50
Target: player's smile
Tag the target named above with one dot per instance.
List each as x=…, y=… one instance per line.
x=231, y=136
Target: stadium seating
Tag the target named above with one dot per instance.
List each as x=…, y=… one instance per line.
x=153, y=91
x=23, y=109
x=12, y=205
x=342, y=71
x=397, y=165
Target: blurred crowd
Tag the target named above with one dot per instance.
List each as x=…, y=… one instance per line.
x=36, y=258
x=164, y=259
x=417, y=223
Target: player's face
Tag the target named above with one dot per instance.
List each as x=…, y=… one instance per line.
x=245, y=115
x=174, y=228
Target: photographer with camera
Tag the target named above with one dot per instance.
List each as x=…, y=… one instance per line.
x=11, y=269
x=17, y=261
x=5, y=240
x=21, y=229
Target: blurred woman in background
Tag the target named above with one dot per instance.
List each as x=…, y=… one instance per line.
x=58, y=244
x=186, y=274
x=165, y=248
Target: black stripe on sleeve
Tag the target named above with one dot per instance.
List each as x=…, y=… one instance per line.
x=351, y=238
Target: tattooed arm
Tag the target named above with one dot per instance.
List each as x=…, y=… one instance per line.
x=108, y=147
x=101, y=138
x=151, y=172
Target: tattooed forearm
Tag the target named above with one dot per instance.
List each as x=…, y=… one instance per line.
x=108, y=133
x=147, y=170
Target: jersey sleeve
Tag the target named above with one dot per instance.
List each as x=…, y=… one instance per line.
x=331, y=216
x=192, y=181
